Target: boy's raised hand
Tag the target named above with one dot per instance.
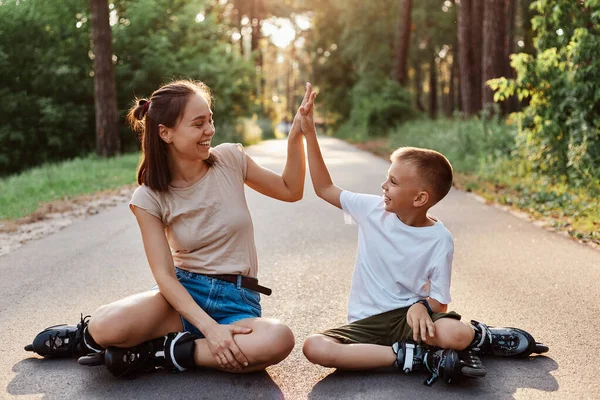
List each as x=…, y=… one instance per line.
x=420, y=322
x=307, y=120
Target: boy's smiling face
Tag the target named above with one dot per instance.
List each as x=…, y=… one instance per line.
x=403, y=190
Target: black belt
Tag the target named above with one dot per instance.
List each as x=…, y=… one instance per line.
x=247, y=282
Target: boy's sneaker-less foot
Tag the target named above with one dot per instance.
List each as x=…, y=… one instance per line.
x=61, y=341
x=504, y=342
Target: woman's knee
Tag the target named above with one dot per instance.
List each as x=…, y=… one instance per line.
x=106, y=325
x=281, y=341
x=277, y=342
x=318, y=350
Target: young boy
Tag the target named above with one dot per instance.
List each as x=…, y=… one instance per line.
x=401, y=283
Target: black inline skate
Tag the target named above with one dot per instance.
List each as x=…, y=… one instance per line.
x=504, y=342
x=62, y=341
x=174, y=352
x=447, y=365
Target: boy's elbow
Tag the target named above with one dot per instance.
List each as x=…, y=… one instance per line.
x=322, y=191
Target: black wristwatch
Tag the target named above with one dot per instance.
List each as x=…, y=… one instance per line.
x=426, y=304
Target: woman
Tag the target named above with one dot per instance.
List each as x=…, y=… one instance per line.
x=199, y=241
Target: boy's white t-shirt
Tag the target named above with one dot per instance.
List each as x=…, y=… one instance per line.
x=395, y=261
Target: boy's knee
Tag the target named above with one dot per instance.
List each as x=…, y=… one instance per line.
x=453, y=334
x=317, y=350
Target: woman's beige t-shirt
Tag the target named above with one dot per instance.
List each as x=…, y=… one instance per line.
x=208, y=224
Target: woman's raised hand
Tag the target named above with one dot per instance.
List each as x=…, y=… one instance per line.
x=224, y=349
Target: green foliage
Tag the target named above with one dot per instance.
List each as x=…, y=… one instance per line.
x=378, y=106
x=560, y=135
x=160, y=40
x=46, y=70
x=47, y=93
x=472, y=146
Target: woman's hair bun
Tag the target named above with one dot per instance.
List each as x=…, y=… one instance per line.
x=142, y=109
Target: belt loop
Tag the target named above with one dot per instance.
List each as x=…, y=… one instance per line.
x=239, y=282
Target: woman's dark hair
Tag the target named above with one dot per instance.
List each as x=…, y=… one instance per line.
x=166, y=107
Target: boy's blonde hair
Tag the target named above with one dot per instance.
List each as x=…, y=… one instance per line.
x=432, y=166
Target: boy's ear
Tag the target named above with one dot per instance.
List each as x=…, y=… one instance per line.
x=421, y=199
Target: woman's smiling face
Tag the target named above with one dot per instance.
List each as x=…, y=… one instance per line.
x=191, y=137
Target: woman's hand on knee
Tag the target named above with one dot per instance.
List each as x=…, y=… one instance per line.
x=224, y=349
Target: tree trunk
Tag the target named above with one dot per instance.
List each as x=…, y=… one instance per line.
x=418, y=85
x=458, y=89
x=452, y=89
x=432, y=86
x=526, y=27
x=509, y=43
x=477, y=9
x=467, y=58
x=493, y=46
x=108, y=142
x=257, y=12
x=509, y=48
x=399, y=69
x=237, y=22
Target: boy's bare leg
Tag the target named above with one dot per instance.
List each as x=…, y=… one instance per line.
x=450, y=333
x=330, y=352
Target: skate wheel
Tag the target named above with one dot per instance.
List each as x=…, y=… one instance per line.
x=29, y=347
x=473, y=372
x=91, y=360
x=540, y=348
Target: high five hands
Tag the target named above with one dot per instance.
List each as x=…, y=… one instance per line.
x=304, y=119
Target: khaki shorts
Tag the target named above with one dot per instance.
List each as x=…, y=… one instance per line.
x=384, y=329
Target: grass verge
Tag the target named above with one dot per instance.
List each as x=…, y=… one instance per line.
x=24, y=193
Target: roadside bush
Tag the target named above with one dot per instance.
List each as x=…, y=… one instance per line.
x=378, y=106
x=472, y=146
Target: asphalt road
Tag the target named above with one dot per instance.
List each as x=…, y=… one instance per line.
x=506, y=272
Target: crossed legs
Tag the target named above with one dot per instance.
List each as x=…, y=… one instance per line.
x=145, y=316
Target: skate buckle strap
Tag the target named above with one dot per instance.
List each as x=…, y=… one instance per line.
x=408, y=358
x=172, y=349
x=485, y=334
x=434, y=375
x=88, y=345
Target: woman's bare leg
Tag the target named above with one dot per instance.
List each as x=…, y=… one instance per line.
x=133, y=320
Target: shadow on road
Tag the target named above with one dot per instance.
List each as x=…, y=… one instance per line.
x=60, y=379
x=503, y=379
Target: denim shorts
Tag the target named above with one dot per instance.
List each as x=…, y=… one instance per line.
x=225, y=302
